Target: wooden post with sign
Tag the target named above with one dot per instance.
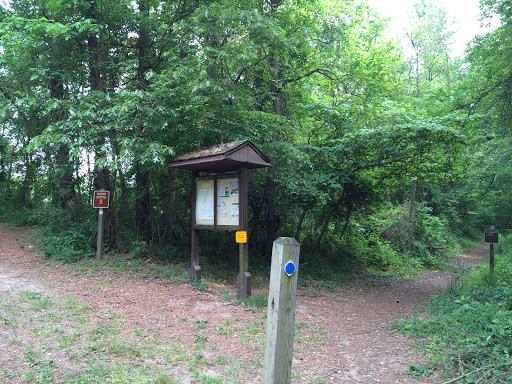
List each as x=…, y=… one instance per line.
x=491, y=237
x=99, y=237
x=277, y=364
x=243, y=286
x=101, y=200
x=491, y=258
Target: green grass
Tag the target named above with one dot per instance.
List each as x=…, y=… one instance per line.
x=97, y=344
x=25, y=296
x=201, y=323
x=467, y=331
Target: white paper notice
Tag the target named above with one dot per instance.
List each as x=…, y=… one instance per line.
x=223, y=192
x=234, y=210
x=222, y=209
x=233, y=188
x=205, y=204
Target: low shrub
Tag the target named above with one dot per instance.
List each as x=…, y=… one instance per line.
x=61, y=238
x=16, y=217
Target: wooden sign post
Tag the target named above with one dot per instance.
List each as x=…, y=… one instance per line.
x=244, y=278
x=491, y=237
x=277, y=365
x=101, y=200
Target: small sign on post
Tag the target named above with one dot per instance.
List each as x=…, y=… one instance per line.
x=100, y=200
x=241, y=237
x=491, y=236
x=277, y=365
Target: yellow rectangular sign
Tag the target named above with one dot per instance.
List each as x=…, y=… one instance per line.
x=241, y=237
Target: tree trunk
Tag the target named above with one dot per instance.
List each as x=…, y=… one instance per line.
x=328, y=219
x=142, y=204
x=271, y=219
x=9, y=178
x=122, y=179
x=142, y=198
x=115, y=235
x=301, y=220
x=171, y=205
x=65, y=167
x=102, y=175
x=80, y=213
x=412, y=208
x=447, y=57
x=26, y=180
x=270, y=190
x=67, y=191
x=416, y=64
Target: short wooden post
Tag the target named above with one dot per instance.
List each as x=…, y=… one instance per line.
x=101, y=199
x=195, y=269
x=491, y=251
x=99, y=240
x=491, y=258
x=491, y=236
x=277, y=366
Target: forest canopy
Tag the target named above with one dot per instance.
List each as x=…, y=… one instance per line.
x=381, y=150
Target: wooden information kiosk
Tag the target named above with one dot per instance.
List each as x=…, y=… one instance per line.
x=219, y=198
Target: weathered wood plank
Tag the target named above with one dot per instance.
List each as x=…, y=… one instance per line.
x=244, y=277
x=281, y=312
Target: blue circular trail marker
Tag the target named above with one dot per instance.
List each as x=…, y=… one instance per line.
x=289, y=268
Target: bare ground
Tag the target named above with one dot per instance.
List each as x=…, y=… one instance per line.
x=342, y=335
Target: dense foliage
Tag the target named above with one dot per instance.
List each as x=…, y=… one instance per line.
x=382, y=151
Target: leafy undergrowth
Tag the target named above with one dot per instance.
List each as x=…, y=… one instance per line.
x=375, y=245
x=467, y=331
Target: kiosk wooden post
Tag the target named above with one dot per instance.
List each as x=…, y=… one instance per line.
x=277, y=364
x=195, y=269
x=243, y=288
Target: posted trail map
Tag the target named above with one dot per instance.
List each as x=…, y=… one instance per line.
x=205, y=202
x=226, y=212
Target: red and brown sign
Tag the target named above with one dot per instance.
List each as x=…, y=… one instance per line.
x=101, y=199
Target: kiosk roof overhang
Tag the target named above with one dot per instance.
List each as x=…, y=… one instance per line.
x=223, y=158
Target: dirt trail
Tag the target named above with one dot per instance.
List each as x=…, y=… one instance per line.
x=342, y=337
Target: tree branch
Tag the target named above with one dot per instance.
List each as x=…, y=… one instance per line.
x=484, y=94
